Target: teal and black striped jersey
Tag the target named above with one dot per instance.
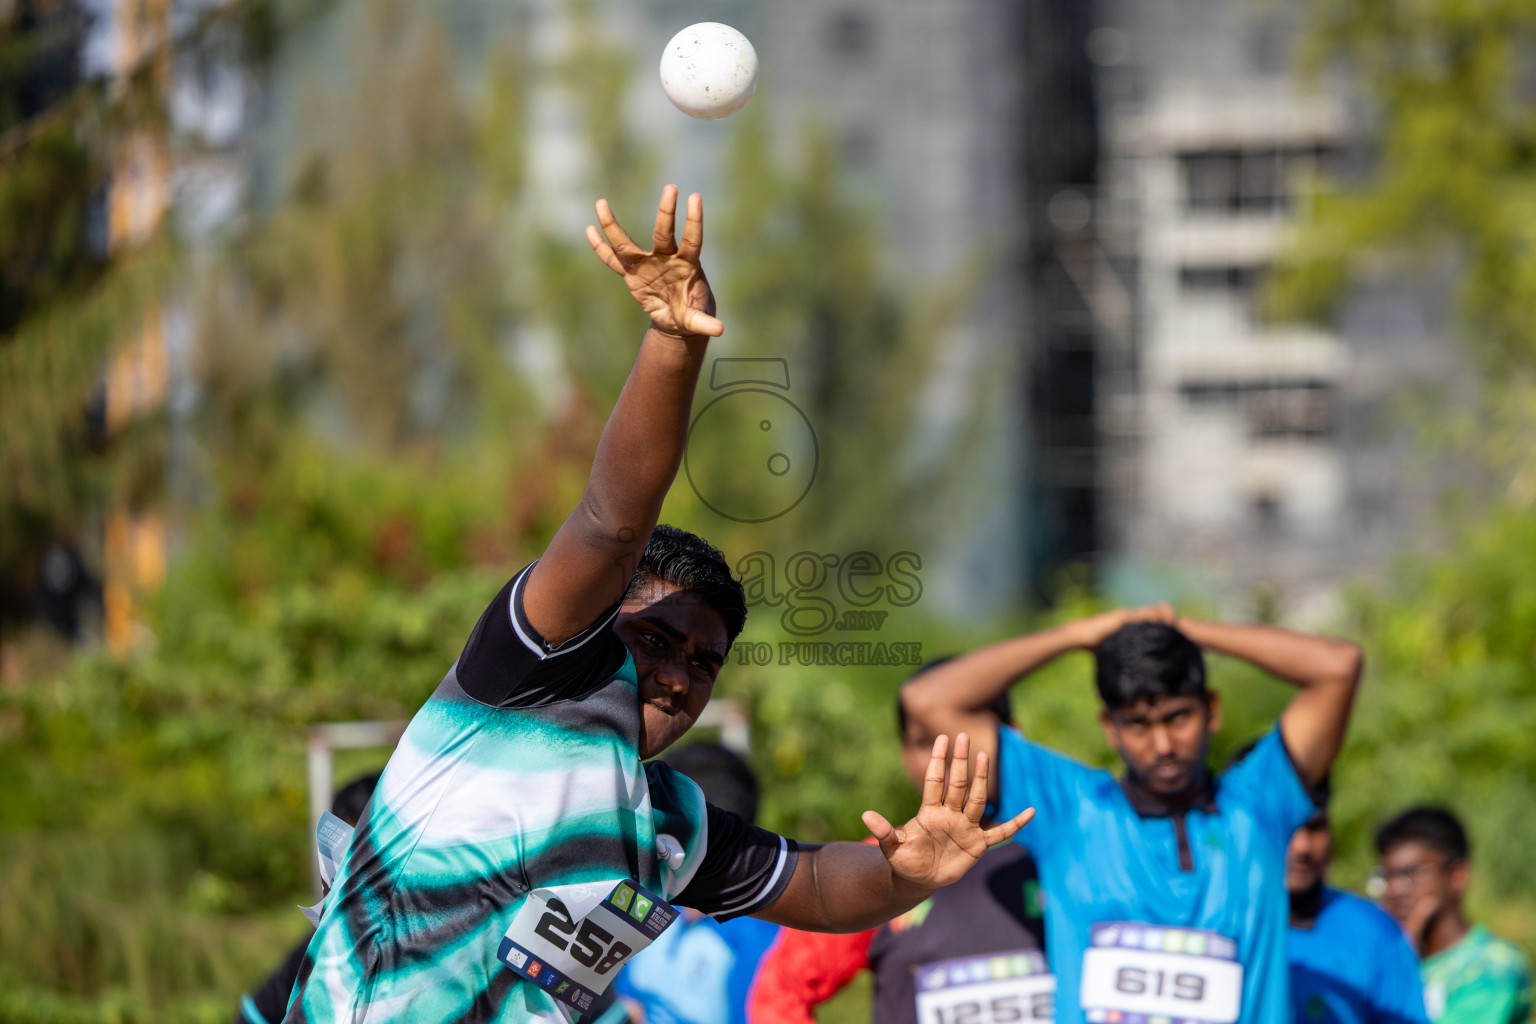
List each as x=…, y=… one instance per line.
x=519, y=773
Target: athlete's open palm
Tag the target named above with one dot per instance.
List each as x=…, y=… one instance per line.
x=945, y=838
x=668, y=282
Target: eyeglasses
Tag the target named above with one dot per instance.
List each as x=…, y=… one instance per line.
x=1409, y=875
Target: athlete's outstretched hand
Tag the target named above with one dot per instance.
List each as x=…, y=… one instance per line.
x=945, y=838
x=668, y=282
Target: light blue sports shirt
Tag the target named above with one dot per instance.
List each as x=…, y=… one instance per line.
x=1218, y=867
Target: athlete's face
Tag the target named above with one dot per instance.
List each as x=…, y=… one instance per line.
x=679, y=644
x=1310, y=853
x=1164, y=742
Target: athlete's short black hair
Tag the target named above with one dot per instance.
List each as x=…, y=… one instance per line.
x=1147, y=661
x=726, y=779
x=351, y=800
x=999, y=705
x=1435, y=827
x=684, y=560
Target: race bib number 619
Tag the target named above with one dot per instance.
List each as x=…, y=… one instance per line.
x=1182, y=975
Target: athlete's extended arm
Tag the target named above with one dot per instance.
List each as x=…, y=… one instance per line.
x=1326, y=669
x=847, y=887
x=588, y=564
x=953, y=697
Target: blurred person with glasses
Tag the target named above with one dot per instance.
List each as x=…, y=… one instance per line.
x=1470, y=975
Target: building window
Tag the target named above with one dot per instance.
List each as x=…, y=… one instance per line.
x=1218, y=279
x=1267, y=45
x=1249, y=180
x=1237, y=284
x=861, y=147
x=851, y=34
x=1272, y=409
x=1268, y=513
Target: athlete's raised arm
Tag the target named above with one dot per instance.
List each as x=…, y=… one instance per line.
x=588, y=565
x=956, y=696
x=847, y=887
x=1326, y=669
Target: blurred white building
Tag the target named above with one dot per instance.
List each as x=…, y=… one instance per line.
x=1130, y=171
x=1123, y=174
x=1257, y=463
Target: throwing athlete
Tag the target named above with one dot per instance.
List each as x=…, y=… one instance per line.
x=517, y=851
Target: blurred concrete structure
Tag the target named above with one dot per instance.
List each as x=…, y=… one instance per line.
x=1121, y=175
x=1252, y=461
x=1129, y=172
x=926, y=100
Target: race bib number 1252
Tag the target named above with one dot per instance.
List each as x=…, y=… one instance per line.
x=995, y=988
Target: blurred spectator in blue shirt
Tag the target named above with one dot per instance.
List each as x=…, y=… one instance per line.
x=1350, y=962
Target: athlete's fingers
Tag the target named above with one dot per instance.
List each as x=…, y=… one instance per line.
x=662, y=240
x=933, y=781
x=617, y=237
x=976, y=803
x=883, y=831
x=693, y=229
x=605, y=251
x=696, y=322
x=959, y=773
x=1008, y=829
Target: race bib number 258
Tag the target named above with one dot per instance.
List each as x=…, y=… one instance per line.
x=573, y=949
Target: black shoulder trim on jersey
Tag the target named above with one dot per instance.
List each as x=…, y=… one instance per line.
x=778, y=881
x=531, y=637
x=499, y=668
x=745, y=868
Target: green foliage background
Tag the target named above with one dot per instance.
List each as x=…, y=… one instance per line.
x=366, y=465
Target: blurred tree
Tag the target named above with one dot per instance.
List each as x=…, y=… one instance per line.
x=50, y=170
x=403, y=357
x=1452, y=691
x=67, y=300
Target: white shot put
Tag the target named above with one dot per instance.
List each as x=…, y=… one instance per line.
x=709, y=70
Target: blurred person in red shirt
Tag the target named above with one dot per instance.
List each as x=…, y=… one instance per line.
x=928, y=963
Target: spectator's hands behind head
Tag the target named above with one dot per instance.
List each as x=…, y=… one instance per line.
x=667, y=282
x=1095, y=629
